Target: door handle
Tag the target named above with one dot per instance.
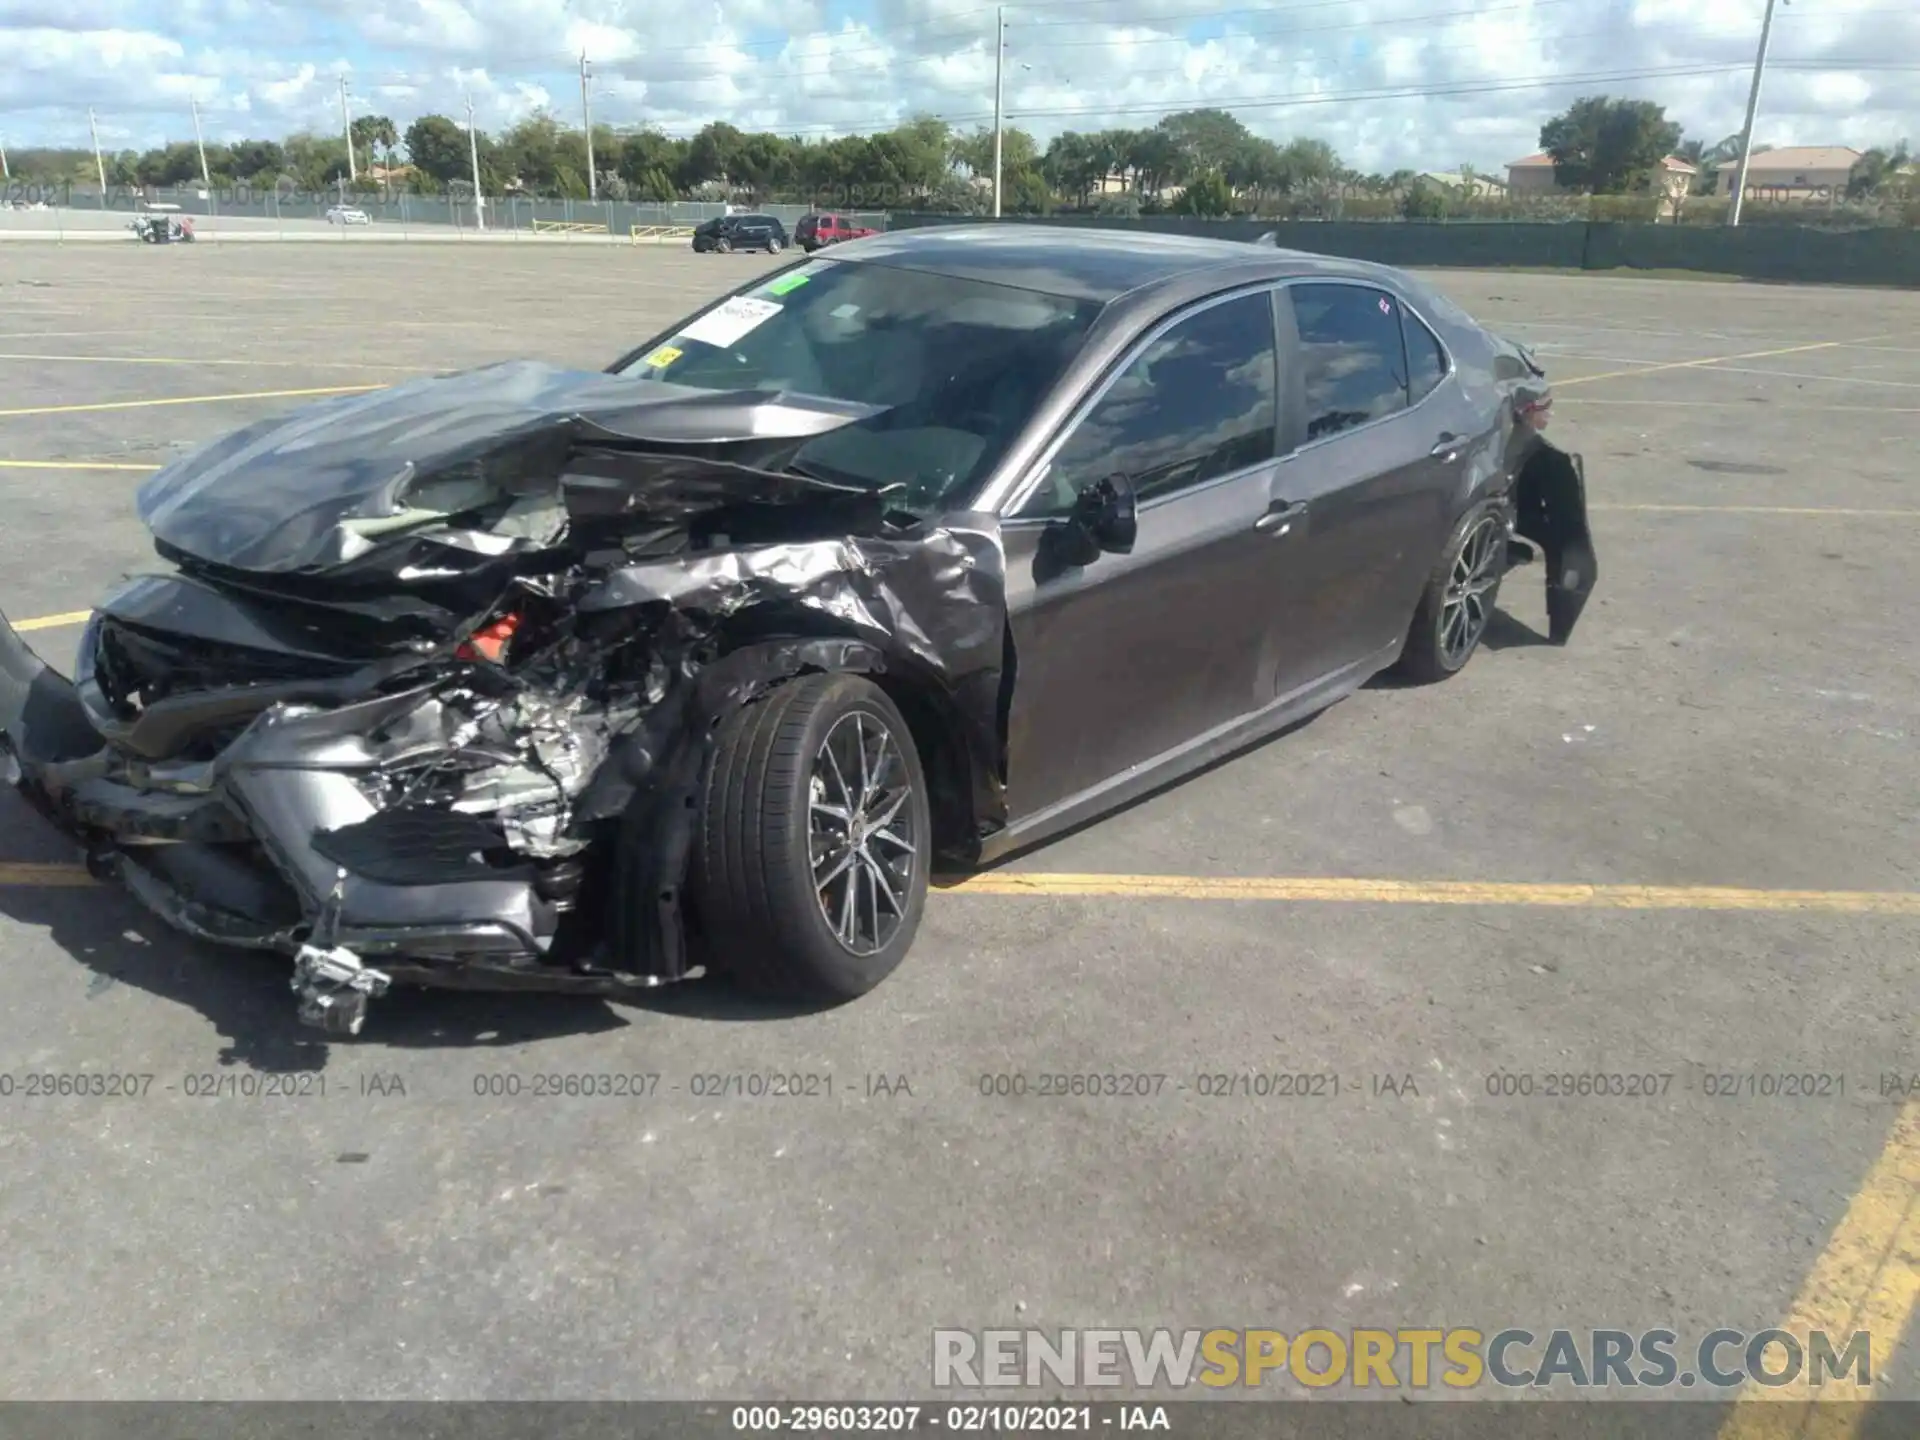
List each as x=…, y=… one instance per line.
x=1280, y=517
x=1447, y=448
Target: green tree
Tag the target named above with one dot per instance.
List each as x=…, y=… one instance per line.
x=973, y=152
x=1423, y=200
x=1074, y=165
x=1602, y=145
x=1153, y=158
x=437, y=147
x=315, y=162
x=374, y=137
x=1880, y=170
x=1205, y=140
x=647, y=157
x=248, y=159
x=1207, y=194
x=1024, y=191
x=711, y=154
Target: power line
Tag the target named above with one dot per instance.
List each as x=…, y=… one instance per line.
x=1293, y=99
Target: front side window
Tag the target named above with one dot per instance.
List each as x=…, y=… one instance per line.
x=1355, y=359
x=1198, y=403
x=953, y=369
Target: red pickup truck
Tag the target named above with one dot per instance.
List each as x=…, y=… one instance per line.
x=817, y=231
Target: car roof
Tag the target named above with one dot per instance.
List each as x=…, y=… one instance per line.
x=1087, y=262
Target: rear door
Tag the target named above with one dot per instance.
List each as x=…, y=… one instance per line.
x=1133, y=656
x=1375, y=473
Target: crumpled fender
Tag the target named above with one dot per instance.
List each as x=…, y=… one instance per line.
x=42, y=721
x=929, y=607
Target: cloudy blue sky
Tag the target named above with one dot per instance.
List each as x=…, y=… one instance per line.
x=1390, y=83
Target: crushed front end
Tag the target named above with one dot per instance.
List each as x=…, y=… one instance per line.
x=441, y=721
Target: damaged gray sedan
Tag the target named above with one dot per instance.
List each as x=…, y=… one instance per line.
x=594, y=681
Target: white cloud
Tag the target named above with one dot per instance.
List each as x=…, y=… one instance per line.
x=262, y=67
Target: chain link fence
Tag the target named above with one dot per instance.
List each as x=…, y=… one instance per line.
x=267, y=207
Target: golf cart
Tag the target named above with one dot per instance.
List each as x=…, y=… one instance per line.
x=161, y=225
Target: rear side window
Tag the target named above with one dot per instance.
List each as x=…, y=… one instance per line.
x=1199, y=402
x=1426, y=359
x=1355, y=359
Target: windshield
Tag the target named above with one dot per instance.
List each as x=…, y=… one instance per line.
x=959, y=366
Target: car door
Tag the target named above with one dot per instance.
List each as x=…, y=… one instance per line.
x=1130, y=657
x=1373, y=473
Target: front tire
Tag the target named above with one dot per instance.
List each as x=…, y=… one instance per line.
x=1457, y=603
x=725, y=247
x=810, y=868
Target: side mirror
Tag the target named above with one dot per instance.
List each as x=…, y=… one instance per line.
x=1104, y=520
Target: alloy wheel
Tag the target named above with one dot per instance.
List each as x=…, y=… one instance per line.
x=861, y=833
x=1467, y=604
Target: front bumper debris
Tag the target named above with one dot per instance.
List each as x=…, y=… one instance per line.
x=255, y=846
x=334, y=988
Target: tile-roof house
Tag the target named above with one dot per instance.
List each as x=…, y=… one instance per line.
x=1795, y=173
x=1534, y=176
x=1531, y=176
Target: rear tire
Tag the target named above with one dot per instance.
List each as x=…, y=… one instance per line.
x=1457, y=603
x=773, y=246
x=786, y=773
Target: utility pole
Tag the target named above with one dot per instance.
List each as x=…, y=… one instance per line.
x=5, y=173
x=1753, y=107
x=206, y=178
x=346, y=127
x=586, y=111
x=99, y=165
x=473, y=149
x=999, y=67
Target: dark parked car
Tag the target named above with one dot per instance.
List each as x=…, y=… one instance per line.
x=816, y=232
x=741, y=232
x=591, y=681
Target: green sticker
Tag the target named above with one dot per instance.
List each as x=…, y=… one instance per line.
x=791, y=281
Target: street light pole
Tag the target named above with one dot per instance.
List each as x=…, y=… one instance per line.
x=99, y=165
x=473, y=150
x=1753, y=108
x=206, y=178
x=586, y=111
x=346, y=126
x=999, y=91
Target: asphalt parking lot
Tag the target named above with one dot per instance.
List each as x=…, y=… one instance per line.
x=1736, y=718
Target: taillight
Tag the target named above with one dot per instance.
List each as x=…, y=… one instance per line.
x=489, y=642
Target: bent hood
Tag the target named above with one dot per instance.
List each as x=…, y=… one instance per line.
x=319, y=487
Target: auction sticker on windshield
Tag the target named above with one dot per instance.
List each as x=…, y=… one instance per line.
x=662, y=357
x=727, y=322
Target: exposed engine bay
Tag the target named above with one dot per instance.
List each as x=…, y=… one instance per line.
x=429, y=689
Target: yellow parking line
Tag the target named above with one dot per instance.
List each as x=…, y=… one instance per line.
x=54, y=622
x=71, y=465
x=1559, y=385
x=1349, y=891
x=1868, y=1278
x=1440, y=892
x=18, y=873
x=189, y=400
